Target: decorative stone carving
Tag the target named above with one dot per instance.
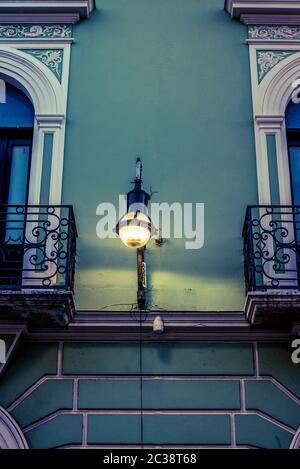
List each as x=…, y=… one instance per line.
x=52, y=58
x=267, y=59
x=274, y=32
x=35, y=31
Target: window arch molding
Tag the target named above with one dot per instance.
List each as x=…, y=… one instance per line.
x=11, y=436
x=277, y=89
x=49, y=99
x=295, y=444
x=37, y=83
x=270, y=100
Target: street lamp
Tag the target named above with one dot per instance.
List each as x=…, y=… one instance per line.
x=135, y=228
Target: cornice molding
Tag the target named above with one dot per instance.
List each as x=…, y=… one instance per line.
x=50, y=121
x=182, y=326
x=270, y=19
x=246, y=10
x=29, y=18
x=45, y=10
x=270, y=122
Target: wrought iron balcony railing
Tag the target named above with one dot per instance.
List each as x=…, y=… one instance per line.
x=37, y=247
x=272, y=247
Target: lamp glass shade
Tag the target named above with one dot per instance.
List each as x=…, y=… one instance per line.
x=135, y=229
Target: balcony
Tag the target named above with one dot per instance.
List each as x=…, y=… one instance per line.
x=272, y=264
x=37, y=264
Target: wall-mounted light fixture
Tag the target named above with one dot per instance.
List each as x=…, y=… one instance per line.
x=135, y=229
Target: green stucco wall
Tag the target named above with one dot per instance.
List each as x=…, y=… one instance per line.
x=168, y=80
x=91, y=394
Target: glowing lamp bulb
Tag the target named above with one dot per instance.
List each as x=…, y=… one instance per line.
x=135, y=229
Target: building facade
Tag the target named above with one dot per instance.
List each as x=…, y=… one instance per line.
x=207, y=95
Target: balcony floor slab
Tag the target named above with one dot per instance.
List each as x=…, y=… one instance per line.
x=42, y=308
x=277, y=308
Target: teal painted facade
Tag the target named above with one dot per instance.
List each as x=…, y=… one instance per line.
x=168, y=81
x=152, y=79
x=246, y=395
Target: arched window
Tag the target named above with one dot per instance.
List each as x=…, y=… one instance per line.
x=11, y=436
x=293, y=140
x=16, y=132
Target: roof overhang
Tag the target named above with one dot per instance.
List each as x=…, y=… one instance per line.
x=264, y=11
x=45, y=10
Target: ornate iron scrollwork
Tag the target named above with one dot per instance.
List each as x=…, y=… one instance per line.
x=271, y=247
x=37, y=246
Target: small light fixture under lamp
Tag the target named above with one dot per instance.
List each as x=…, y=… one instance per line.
x=135, y=227
x=158, y=325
